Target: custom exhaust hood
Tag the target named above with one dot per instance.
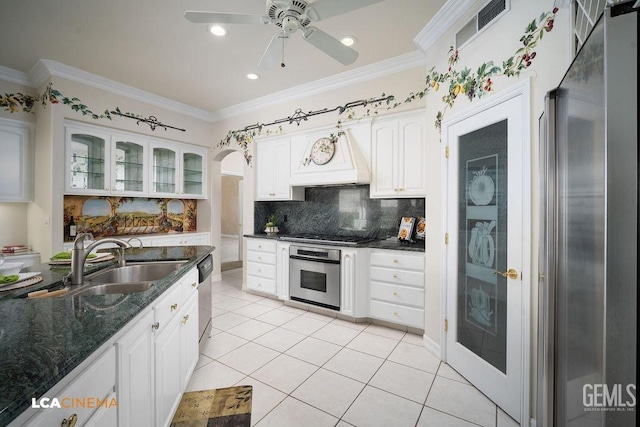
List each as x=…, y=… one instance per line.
x=347, y=164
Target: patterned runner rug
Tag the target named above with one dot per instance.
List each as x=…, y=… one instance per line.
x=223, y=407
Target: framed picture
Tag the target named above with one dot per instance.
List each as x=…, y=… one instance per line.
x=421, y=224
x=406, y=228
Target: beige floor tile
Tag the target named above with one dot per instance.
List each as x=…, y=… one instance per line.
x=213, y=375
x=352, y=325
x=263, y=398
x=231, y=303
x=504, y=420
x=251, y=297
x=221, y=344
x=377, y=408
x=462, y=401
x=276, y=317
x=415, y=356
x=248, y=358
x=319, y=316
x=336, y=334
x=447, y=371
x=374, y=345
x=252, y=310
x=413, y=339
x=328, y=391
x=251, y=329
x=293, y=310
x=410, y=383
x=314, y=351
x=227, y=321
x=304, y=325
x=353, y=364
x=293, y=413
x=285, y=373
x=279, y=339
x=385, y=332
x=270, y=302
x=202, y=360
x=432, y=418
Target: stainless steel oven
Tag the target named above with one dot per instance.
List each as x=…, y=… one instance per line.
x=314, y=276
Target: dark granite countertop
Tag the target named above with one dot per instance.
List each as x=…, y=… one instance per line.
x=390, y=243
x=42, y=340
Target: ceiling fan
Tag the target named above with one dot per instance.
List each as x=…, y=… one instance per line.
x=291, y=16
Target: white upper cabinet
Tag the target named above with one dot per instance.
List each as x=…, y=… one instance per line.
x=16, y=161
x=398, y=156
x=101, y=162
x=273, y=171
x=87, y=161
x=177, y=171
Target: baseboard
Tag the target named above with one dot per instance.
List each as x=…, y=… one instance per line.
x=432, y=346
x=235, y=236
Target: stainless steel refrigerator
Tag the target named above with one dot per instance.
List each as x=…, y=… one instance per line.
x=588, y=263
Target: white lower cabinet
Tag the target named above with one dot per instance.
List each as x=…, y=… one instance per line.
x=354, y=293
x=168, y=374
x=135, y=373
x=261, y=265
x=282, y=270
x=397, y=287
x=96, y=381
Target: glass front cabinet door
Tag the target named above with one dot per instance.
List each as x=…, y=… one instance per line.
x=193, y=173
x=128, y=166
x=86, y=162
x=164, y=171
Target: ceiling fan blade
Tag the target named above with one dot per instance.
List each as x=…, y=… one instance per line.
x=198, y=17
x=323, y=9
x=274, y=52
x=330, y=45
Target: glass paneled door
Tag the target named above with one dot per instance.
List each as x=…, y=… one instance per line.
x=486, y=189
x=164, y=171
x=129, y=167
x=192, y=173
x=87, y=154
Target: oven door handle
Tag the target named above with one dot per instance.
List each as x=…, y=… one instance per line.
x=325, y=261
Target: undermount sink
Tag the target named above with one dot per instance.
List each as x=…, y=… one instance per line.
x=117, y=288
x=145, y=272
x=130, y=279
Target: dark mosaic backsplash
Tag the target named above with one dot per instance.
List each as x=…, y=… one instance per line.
x=344, y=210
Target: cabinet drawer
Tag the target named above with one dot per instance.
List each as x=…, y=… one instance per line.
x=168, y=306
x=261, y=270
x=261, y=284
x=267, y=258
x=397, y=277
x=394, y=259
x=96, y=382
x=397, y=294
x=189, y=284
x=397, y=314
x=261, y=245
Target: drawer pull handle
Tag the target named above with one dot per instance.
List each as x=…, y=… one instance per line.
x=194, y=285
x=260, y=258
x=395, y=294
x=155, y=325
x=395, y=276
x=395, y=313
x=184, y=319
x=174, y=306
x=395, y=261
x=71, y=422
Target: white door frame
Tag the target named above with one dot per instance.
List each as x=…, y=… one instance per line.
x=522, y=88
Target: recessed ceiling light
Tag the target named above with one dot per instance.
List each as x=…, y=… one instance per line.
x=252, y=76
x=349, y=40
x=217, y=30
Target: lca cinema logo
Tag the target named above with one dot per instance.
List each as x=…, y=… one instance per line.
x=605, y=397
x=74, y=403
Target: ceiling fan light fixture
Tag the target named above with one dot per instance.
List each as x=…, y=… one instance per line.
x=348, y=40
x=253, y=76
x=217, y=30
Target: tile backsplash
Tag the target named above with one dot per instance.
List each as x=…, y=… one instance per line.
x=342, y=210
x=112, y=216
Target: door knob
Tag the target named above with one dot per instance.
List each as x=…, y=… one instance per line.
x=510, y=273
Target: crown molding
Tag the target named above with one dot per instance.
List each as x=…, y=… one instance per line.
x=14, y=76
x=442, y=22
x=368, y=72
x=45, y=69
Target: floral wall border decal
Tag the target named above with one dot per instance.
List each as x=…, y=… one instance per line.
x=472, y=84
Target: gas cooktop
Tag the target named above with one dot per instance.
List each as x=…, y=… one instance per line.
x=329, y=239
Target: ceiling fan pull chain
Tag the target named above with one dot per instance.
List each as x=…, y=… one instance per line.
x=282, y=64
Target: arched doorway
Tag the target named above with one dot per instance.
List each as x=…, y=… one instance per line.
x=231, y=223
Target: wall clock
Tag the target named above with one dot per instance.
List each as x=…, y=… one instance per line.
x=322, y=151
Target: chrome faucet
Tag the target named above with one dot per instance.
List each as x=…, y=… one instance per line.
x=79, y=254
